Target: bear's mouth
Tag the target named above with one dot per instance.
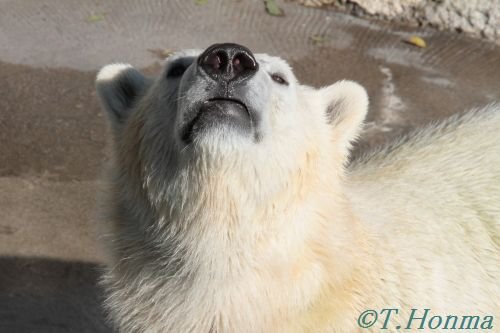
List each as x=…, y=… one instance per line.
x=218, y=112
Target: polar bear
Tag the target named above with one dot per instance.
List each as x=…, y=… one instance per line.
x=232, y=206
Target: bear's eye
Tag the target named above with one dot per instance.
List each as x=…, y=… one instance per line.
x=279, y=79
x=176, y=70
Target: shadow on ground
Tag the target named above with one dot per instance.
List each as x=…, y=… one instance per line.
x=44, y=295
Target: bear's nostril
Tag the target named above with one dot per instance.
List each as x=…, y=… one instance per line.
x=236, y=64
x=245, y=62
x=242, y=62
x=213, y=61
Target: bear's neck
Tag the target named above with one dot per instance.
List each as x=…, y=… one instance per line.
x=251, y=259
x=221, y=257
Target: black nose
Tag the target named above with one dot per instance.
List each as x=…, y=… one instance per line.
x=228, y=62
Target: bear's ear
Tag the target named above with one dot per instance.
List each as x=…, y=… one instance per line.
x=345, y=105
x=118, y=87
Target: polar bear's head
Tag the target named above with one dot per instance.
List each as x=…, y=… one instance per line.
x=226, y=115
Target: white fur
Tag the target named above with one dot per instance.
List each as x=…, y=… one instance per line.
x=230, y=235
x=110, y=72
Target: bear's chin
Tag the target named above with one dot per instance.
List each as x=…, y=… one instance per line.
x=220, y=142
x=216, y=117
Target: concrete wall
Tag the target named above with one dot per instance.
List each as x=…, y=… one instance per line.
x=479, y=18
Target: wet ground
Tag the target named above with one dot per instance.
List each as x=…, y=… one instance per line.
x=53, y=136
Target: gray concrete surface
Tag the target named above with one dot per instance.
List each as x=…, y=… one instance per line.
x=53, y=137
x=479, y=18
